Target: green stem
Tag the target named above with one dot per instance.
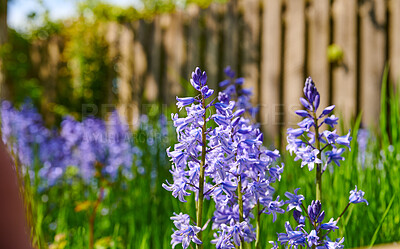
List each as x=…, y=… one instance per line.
x=318, y=176
x=318, y=191
x=337, y=220
x=93, y=217
x=258, y=227
x=240, y=200
x=199, y=207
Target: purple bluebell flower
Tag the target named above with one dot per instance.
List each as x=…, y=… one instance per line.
x=308, y=157
x=181, y=102
x=315, y=212
x=312, y=238
x=335, y=155
x=292, y=238
x=357, y=196
x=198, y=79
x=233, y=154
x=119, y=147
x=330, y=136
x=233, y=234
x=233, y=90
x=303, y=140
x=344, y=140
x=274, y=207
x=274, y=244
x=331, y=225
x=327, y=111
x=294, y=201
x=184, y=235
x=298, y=217
x=300, y=237
x=331, y=121
x=311, y=93
x=53, y=154
x=338, y=244
x=363, y=137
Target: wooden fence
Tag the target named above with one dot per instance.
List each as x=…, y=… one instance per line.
x=274, y=44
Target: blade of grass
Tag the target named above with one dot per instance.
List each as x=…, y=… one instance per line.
x=383, y=116
x=375, y=236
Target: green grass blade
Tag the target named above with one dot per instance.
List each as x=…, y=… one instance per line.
x=375, y=236
x=383, y=116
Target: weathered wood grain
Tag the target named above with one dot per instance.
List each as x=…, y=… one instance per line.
x=173, y=41
x=211, y=53
x=231, y=35
x=251, y=43
x=345, y=74
x=394, y=42
x=372, y=58
x=193, y=39
x=271, y=67
x=318, y=41
x=294, y=59
x=125, y=68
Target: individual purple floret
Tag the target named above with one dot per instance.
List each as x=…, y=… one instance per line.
x=294, y=201
x=357, y=196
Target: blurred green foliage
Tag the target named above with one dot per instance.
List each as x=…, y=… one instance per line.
x=84, y=74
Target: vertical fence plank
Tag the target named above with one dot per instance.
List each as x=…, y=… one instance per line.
x=173, y=41
x=345, y=75
x=251, y=34
x=112, y=36
x=140, y=50
x=373, y=19
x=294, y=58
x=151, y=91
x=319, y=30
x=271, y=66
x=193, y=39
x=212, y=34
x=125, y=66
x=231, y=35
x=394, y=43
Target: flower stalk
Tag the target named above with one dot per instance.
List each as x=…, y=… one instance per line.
x=93, y=218
x=318, y=177
x=258, y=226
x=199, y=210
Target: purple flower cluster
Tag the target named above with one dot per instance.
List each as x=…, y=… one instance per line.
x=308, y=141
x=185, y=233
x=23, y=131
x=308, y=145
x=317, y=237
x=233, y=90
x=319, y=229
x=238, y=170
x=91, y=145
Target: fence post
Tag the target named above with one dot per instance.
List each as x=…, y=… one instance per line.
x=372, y=59
x=394, y=43
x=318, y=42
x=271, y=67
x=294, y=60
x=251, y=44
x=345, y=75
